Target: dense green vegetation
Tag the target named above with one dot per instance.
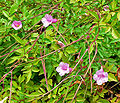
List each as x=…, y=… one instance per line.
x=86, y=36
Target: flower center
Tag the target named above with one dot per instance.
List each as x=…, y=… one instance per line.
x=64, y=67
x=101, y=76
x=17, y=24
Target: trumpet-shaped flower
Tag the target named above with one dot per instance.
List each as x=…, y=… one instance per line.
x=106, y=8
x=16, y=25
x=63, y=69
x=47, y=20
x=100, y=77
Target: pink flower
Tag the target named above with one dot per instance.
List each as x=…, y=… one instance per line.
x=100, y=77
x=60, y=43
x=106, y=8
x=47, y=20
x=16, y=25
x=63, y=69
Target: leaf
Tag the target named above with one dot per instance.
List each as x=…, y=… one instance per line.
x=115, y=34
x=6, y=14
x=113, y=4
x=15, y=84
x=111, y=77
x=91, y=49
x=18, y=39
x=12, y=59
x=107, y=29
x=118, y=16
x=72, y=1
x=94, y=14
x=103, y=101
x=70, y=50
x=60, y=55
x=29, y=74
x=115, y=40
x=114, y=22
x=34, y=69
x=2, y=29
x=21, y=78
x=108, y=18
x=13, y=8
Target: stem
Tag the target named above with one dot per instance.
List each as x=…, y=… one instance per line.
x=59, y=33
x=45, y=11
x=43, y=64
x=10, y=88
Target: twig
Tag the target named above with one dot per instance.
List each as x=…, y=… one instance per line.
x=35, y=40
x=45, y=11
x=43, y=64
x=10, y=89
x=54, y=87
x=59, y=33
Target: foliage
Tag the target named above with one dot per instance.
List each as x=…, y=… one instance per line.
x=92, y=39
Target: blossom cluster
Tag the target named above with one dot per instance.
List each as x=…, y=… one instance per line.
x=47, y=20
x=100, y=77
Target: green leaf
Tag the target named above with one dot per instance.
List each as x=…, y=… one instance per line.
x=15, y=84
x=18, y=39
x=118, y=16
x=113, y=100
x=6, y=14
x=72, y=1
x=29, y=74
x=60, y=55
x=34, y=69
x=70, y=50
x=107, y=29
x=108, y=18
x=12, y=59
x=115, y=34
x=113, y=4
x=111, y=77
x=34, y=94
x=94, y=14
x=2, y=29
x=13, y=8
x=114, y=22
x=115, y=40
x=21, y=78
x=91, y=48
x=103, y=101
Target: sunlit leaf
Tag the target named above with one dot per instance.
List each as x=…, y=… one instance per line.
x=115, y=34
x=111, y=77
x=118, y=16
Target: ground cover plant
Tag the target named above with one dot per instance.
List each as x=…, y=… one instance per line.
x=60, y=51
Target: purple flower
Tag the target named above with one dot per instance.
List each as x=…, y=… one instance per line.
x=63, y=69
x=106, y=8
x=100, y=77
x=16, y=25
x=47, y=20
